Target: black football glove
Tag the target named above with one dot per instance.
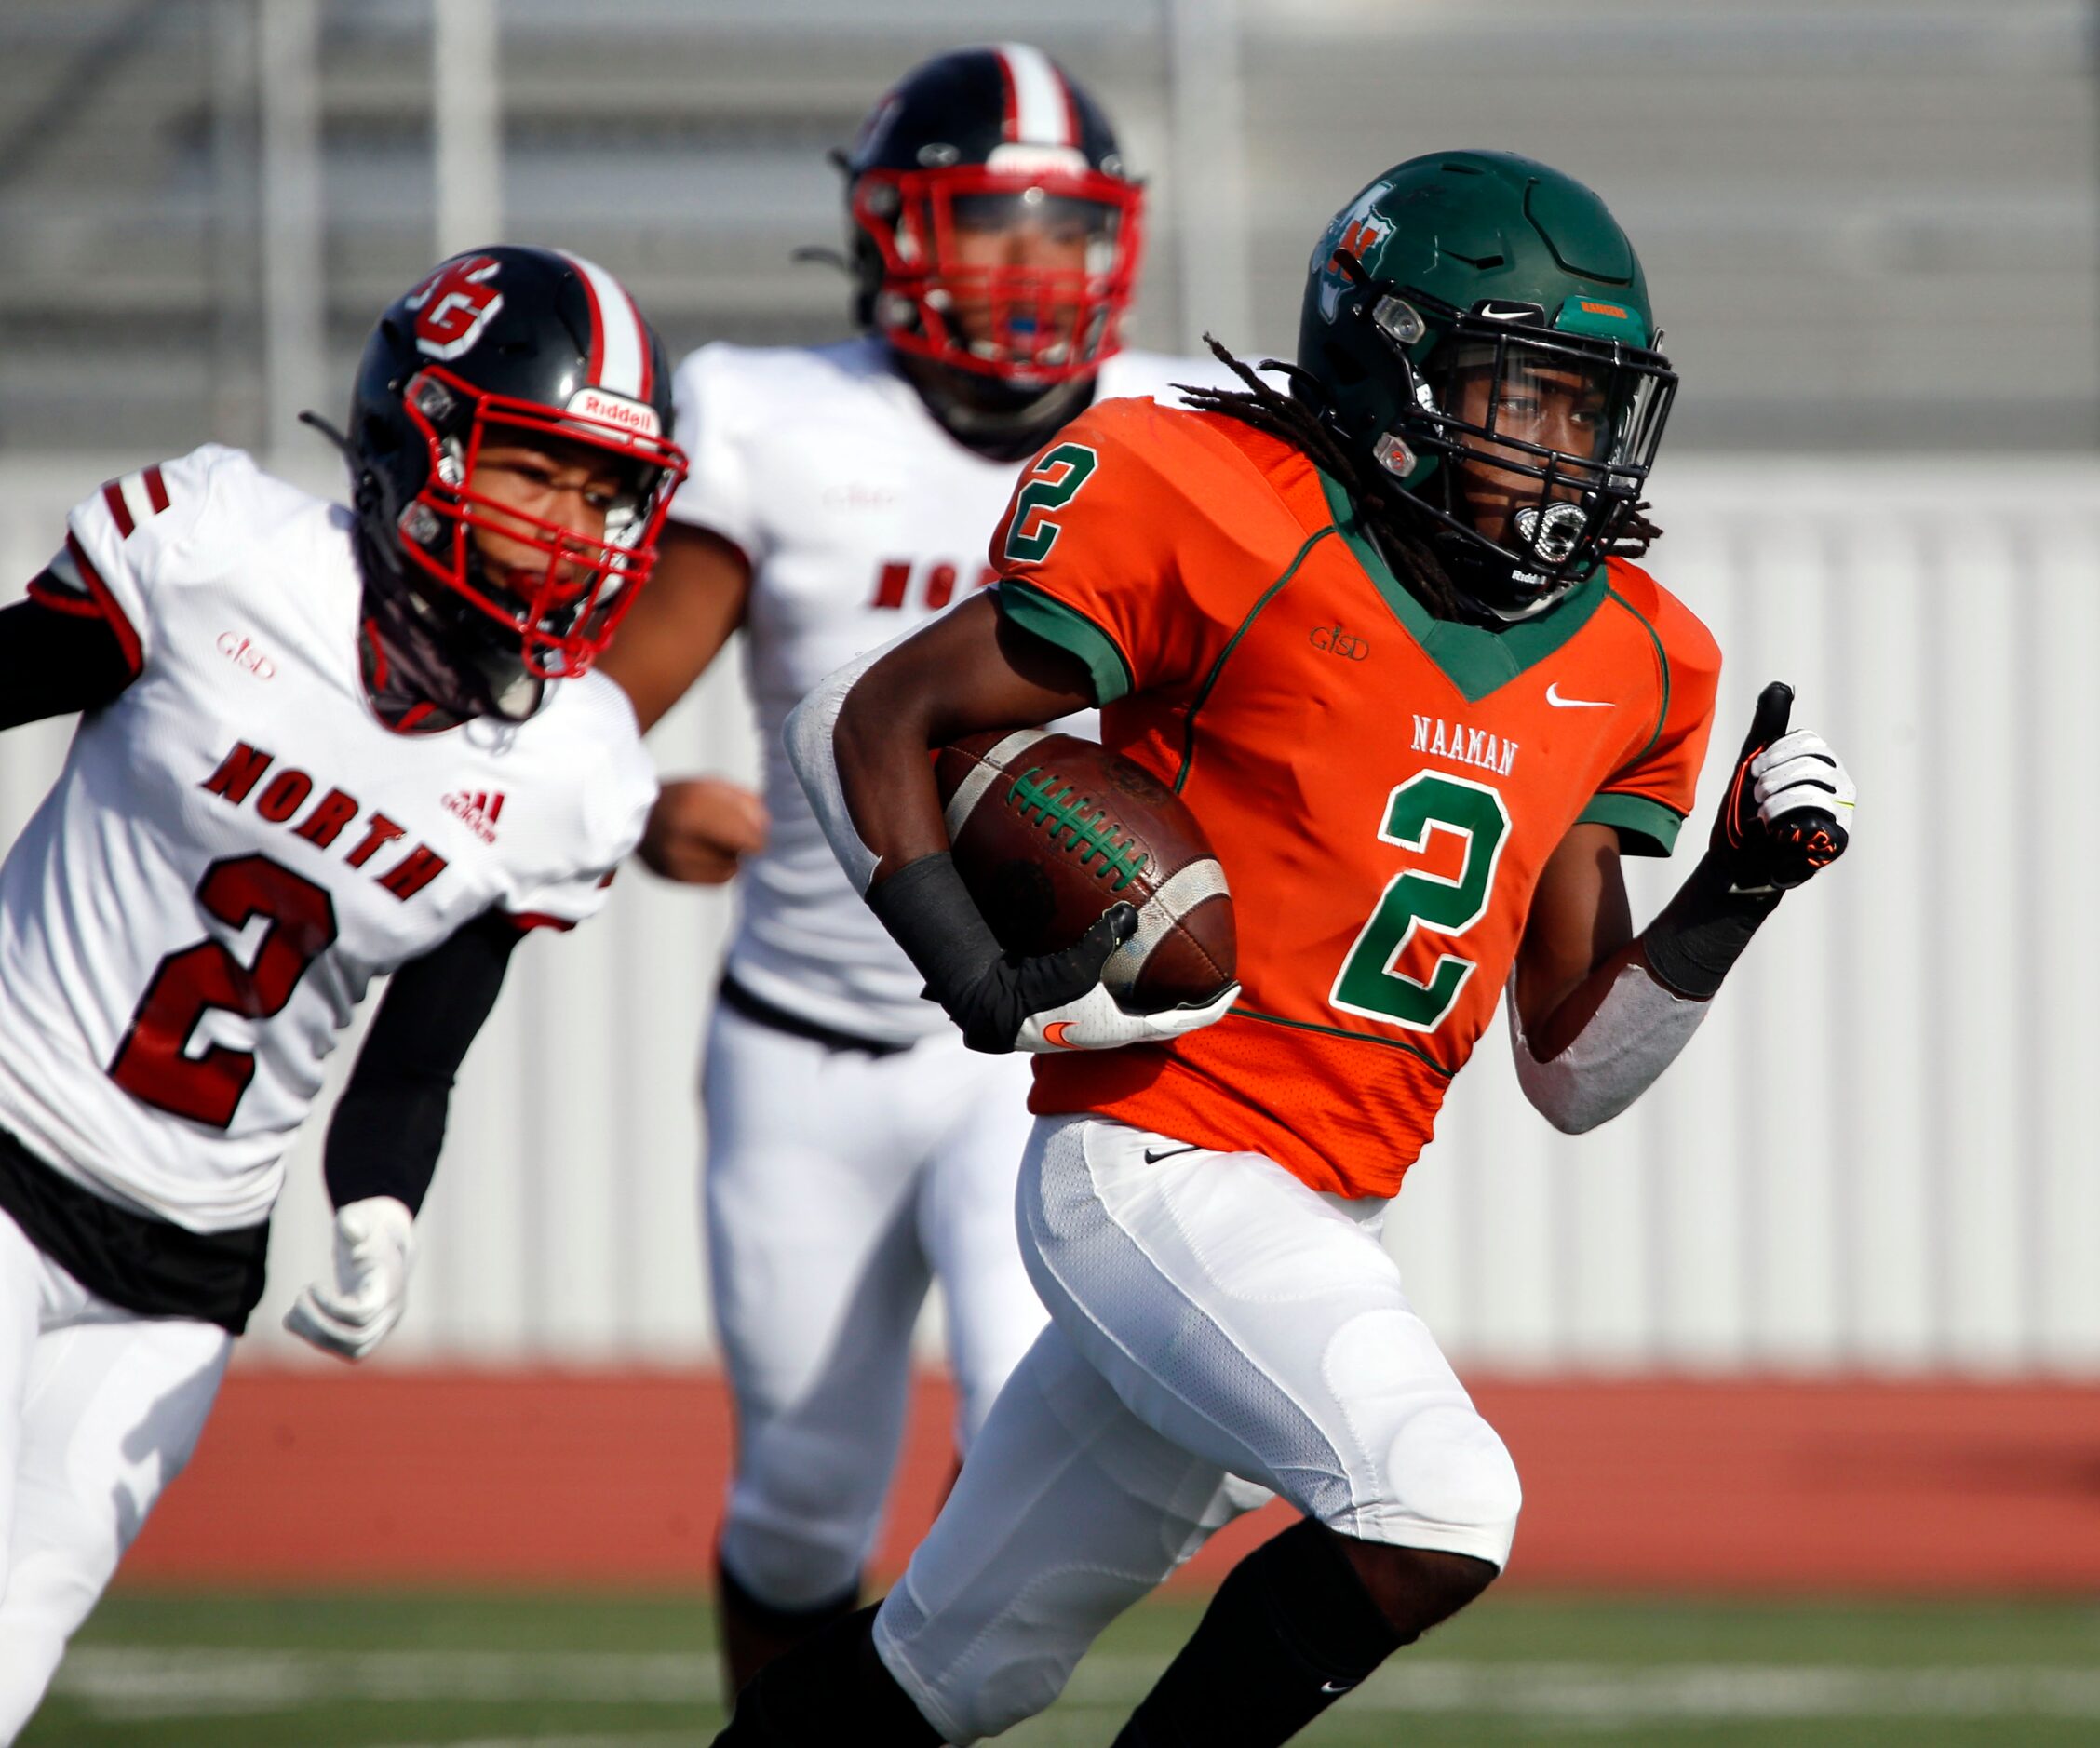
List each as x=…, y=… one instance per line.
x=1002, y=1001
x=1786, y=815
x=1787, y=811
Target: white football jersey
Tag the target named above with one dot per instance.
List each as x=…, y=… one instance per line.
x=861, y=518
x=238, y=845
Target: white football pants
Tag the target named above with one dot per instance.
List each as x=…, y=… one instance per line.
x=1218, y=1331
x=100, y=1408
x=839, y=1184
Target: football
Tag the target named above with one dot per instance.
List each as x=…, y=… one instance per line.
x=1050, y=830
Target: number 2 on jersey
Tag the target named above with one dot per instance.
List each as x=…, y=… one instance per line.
x=1052, y=482
x=151, y=1063
x=1417, y=901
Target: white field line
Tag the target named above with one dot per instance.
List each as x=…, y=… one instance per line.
x=133, y=1683
x=144, y=1684
x=639, y=1738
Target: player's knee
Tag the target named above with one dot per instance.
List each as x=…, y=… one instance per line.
x=48, y=1594
x=1448, y=1467
x=802, y=1516
x=1011, y=1669
x=810, y=1476
x=1428, y=1472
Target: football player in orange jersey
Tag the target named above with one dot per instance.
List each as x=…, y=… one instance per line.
x=1385, y=636
x=840, y=495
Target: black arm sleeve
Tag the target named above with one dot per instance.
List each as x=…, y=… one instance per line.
x=390, y=1123
x=52, y=663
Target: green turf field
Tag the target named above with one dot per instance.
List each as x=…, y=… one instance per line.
x=481, y=1671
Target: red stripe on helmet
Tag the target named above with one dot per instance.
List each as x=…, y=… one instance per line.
x=596, y=368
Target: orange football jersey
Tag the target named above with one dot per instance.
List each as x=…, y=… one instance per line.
x=1381, y=786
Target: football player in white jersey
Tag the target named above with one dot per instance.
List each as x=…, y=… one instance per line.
x=317, y=746
x=839, y=496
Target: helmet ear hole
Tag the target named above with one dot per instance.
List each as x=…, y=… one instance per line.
x=1344, y=366
x=376, y=438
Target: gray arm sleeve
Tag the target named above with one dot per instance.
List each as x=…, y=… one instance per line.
x=807, y=735
x=1635, y=1033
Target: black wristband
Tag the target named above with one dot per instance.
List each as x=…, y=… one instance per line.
x=1703, y=931
x=988, y=992
x=931, y=915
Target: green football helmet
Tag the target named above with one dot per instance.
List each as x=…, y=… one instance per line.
x=1478, y=326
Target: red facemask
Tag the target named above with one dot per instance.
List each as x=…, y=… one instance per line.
x=566, y=607
x=1021, y=274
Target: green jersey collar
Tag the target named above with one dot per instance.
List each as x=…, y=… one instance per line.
x=1473, y=658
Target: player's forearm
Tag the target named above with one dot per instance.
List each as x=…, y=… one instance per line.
x=811, y=738
x=389, y=1126
x=54, y=663
x=886, y=726
x=1584, y=1057
x=1594, y=1049
x=859, y=741
x=1605, y=1044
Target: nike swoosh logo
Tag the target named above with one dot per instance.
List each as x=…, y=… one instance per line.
x=1154, y=1154
x=1509, y=313
x=1553, y=696
x=1335, y=1687
x=1055, y=1032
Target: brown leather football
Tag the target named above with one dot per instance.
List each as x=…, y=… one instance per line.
x=1050, y=830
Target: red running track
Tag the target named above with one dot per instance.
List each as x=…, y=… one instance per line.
x=313, y=1479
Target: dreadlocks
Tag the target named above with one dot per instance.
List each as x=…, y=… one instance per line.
x=1389, y=515
x=1403, y=529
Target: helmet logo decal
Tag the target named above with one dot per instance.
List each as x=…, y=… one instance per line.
x=1489, y=310
x=1358, y=230
x=1361, y=238
x=454, y=306
x=617, y=410
x=1027, y=160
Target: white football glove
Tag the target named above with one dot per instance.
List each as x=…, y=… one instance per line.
x=1097, y=1021
x=1800, y=771
x=1788, y=811
x=351, y=1315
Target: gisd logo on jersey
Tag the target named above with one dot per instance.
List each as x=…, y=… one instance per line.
x=1358, y=232
x=454, y=306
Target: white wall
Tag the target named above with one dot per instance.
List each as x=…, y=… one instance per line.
x=1875, y=1153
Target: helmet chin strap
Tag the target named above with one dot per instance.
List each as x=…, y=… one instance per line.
x=436, y=655
x=1486, y=576
x=1000, y=421
x=1486, y=579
